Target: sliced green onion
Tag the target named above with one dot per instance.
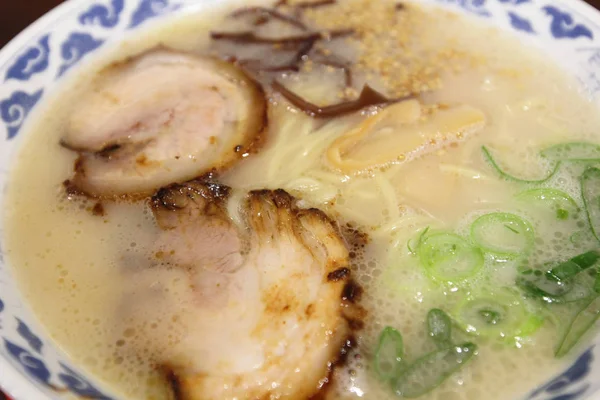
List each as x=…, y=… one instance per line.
x=490, y=316
x=448, y=257
x=562, y=204
x=550, y=290
x=583, y=289
x=490, y=159
x=503, y=234
x=429, y=371
x=439, y=326
x=540, y=287
x=389, y=353
x=574, y=151
x=501, y=315
x=590, y=191
x=563, y=283
x=580, y=324
x=419, y=241
x=575, y=265
x=513, y=230
x=530, y=326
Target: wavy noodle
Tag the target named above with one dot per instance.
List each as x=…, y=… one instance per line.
x=298, y=126
x=325, y=176
x=466, y=172
x=296, y=163
x=300, y=147
x=360, y=188
x=369, y=201
x=411, y=221
x=319, y=192
x=349, y=214
x=389, y=196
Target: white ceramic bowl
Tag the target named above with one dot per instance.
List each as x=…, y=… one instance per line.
x=31, y=66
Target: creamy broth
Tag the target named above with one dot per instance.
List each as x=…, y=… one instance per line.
x=71, y=264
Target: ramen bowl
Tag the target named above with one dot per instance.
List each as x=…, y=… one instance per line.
x=35, y=63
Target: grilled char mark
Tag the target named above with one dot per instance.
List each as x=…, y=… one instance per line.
x=352, y=292
x=72, y=190
x=279, y=197
x=356, y=239
x=178, y=196
x=338, y=274
x=173, y=381
x=348, y=345
x=98, y=210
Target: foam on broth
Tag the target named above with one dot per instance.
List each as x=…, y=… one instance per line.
x=70, y=264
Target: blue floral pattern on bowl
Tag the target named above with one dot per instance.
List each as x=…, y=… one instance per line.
x=564, y=27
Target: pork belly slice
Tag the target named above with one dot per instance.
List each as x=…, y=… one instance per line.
x=162, y=117
x=259, y=309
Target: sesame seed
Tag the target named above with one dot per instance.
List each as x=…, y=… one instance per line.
x=398, y=50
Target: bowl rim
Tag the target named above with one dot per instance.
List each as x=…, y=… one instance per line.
x=12, y=382
x=16, y=384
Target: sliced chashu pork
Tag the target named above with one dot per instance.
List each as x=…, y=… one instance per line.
x=159, y=118
x=260, y=311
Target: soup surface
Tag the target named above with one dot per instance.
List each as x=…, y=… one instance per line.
x=461, y=202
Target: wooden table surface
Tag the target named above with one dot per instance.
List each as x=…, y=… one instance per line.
x=15, y=15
